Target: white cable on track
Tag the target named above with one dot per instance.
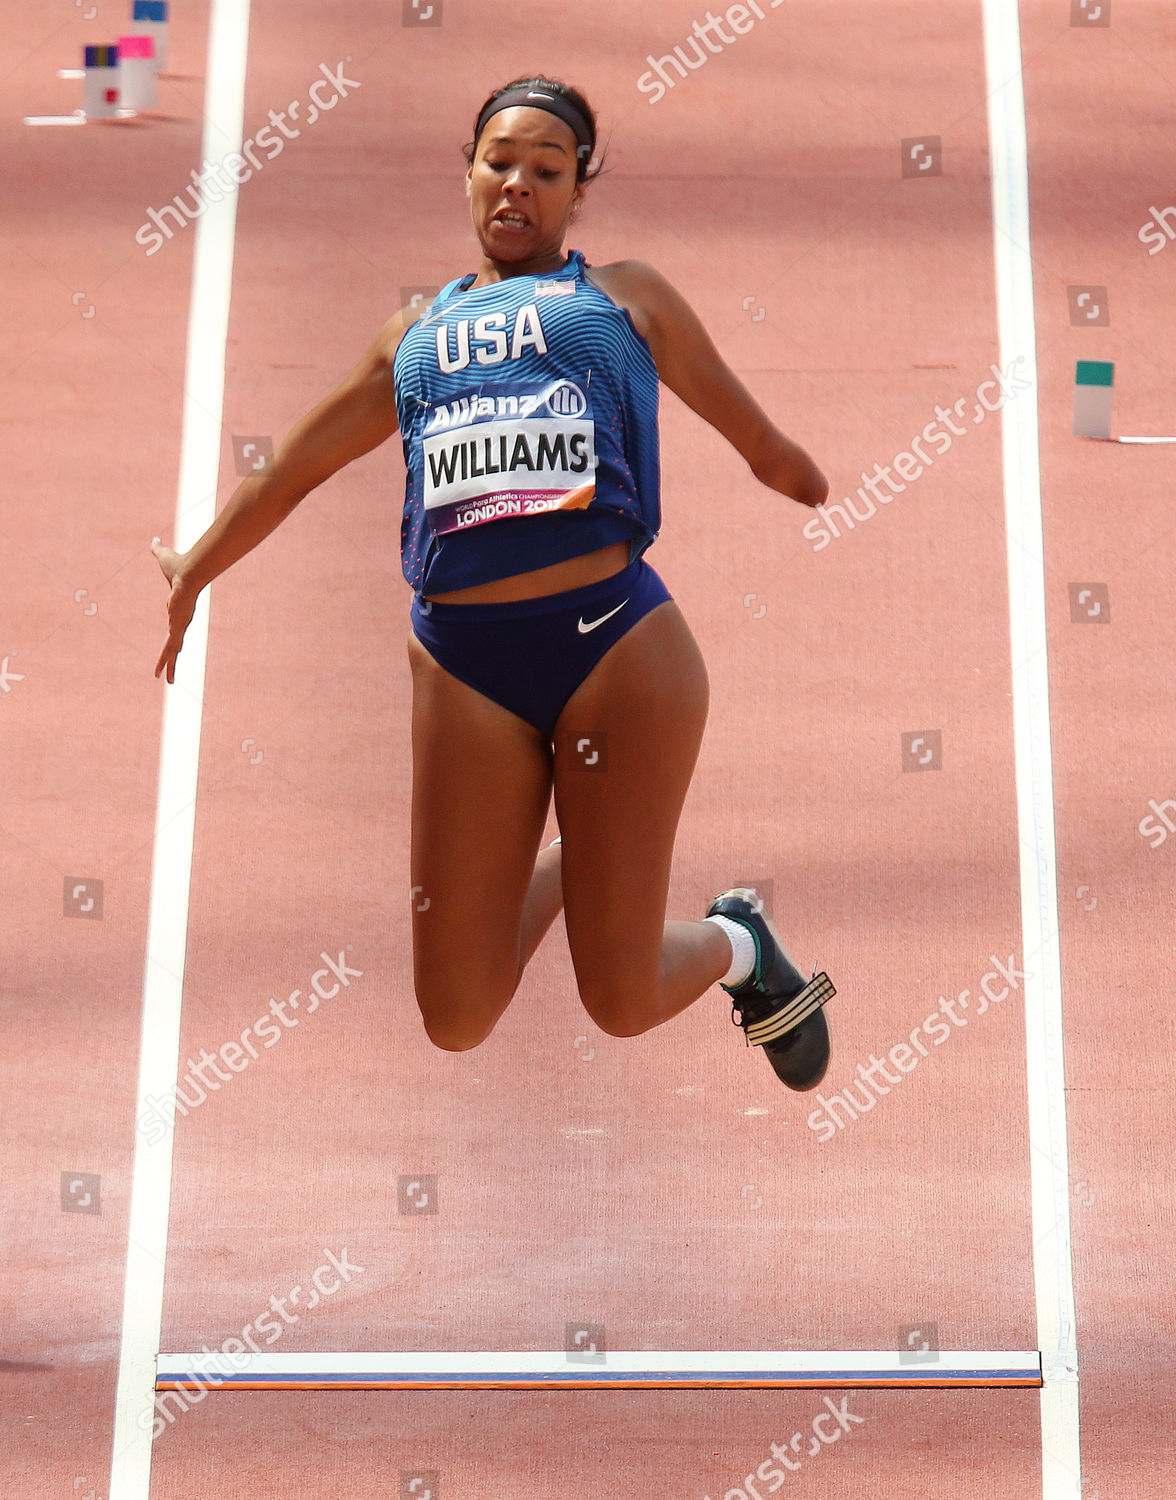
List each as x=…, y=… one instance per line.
x=1049, y=1161
x=167, y=922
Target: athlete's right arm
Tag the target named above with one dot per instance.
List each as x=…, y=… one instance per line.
x=355, y=418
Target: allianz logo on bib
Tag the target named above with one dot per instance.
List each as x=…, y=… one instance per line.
x=563, y=398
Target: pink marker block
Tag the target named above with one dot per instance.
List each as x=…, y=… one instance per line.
x=136, y=46
x=136, y=71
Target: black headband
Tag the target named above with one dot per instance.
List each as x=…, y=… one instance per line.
x=554, y=104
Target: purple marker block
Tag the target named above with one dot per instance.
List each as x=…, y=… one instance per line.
x=100, y=94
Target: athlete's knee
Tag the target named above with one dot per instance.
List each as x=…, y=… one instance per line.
x=455, y=1039
x=457, y=1032
x=621, y=1025
x=620, y=1008
x=459, y=1023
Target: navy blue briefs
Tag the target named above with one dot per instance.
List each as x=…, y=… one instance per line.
x=530, y=655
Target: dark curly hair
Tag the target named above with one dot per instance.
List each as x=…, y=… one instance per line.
x=555, y=86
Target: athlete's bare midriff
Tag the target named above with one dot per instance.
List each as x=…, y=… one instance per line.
x=572, y=573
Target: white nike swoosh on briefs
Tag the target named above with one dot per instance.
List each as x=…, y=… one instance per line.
x=584, y=629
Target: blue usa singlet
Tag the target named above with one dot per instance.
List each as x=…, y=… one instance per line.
x=528, y=413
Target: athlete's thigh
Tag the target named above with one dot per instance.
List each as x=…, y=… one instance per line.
x=481, y=786
x=626, y=746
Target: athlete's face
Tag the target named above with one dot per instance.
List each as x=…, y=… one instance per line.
x=525, y=164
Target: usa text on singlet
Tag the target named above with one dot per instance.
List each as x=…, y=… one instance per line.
x=529, y=396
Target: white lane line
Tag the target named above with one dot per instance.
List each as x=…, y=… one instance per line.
x=1048, y=1156
x=167, y=923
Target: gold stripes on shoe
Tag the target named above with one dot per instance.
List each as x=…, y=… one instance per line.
x=816, y=992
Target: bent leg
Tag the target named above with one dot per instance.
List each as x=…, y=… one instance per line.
x=643, y=709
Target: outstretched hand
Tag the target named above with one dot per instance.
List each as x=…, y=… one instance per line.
x=181, y=605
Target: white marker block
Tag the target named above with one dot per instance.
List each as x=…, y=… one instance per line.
x=100, y=89
x=1093, y=384
x=136, y=71
x=150, y=19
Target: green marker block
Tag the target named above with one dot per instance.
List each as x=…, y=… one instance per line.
x=1093, y=383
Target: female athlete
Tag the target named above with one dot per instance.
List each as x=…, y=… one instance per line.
x=545, y=652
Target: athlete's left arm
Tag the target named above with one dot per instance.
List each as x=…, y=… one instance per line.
x=688, y=362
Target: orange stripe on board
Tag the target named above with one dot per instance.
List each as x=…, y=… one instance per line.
x=848, y=1382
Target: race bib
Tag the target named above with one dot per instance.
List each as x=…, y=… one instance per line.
x=489, y=457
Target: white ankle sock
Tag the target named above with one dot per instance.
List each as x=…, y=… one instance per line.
x=742, y=950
